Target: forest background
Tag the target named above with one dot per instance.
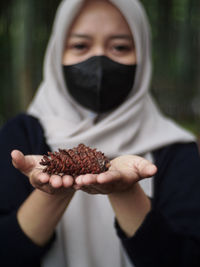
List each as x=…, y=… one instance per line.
x=25, y=26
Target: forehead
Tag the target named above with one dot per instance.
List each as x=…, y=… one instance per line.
x=96, y=16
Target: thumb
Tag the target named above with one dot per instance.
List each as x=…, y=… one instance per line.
x=148, y=170
x=21, y=162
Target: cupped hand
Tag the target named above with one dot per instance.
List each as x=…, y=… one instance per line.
x=29, y=165
x=123, y=173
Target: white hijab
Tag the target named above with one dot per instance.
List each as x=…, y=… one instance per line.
x=86, y=237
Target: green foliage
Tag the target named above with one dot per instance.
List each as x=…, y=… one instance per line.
x=176, y=56
x=25, y=27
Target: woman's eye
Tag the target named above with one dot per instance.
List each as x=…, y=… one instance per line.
x=79, y=47
x=122, y=48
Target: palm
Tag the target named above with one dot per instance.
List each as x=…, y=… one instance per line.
x=30, y=166
x=123, y=173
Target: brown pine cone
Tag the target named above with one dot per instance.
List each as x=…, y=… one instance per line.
x=76, y=161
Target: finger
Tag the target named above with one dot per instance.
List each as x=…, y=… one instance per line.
x=78, y=180
x=149, y=170
x=24, y=164
x=108, y=177
x=67, y=181
x=43, y=177
x=55, y=181
x=87, y=179
x=145, y=168
x=38, y=178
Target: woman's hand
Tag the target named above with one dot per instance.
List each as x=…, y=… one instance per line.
x=29, y=165
x=124, y=172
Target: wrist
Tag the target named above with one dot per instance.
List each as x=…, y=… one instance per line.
x=35, y=214
x=61, y=197
x=131, y=208
x=131, y=190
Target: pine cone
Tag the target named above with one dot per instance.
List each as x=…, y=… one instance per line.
x=76, y=161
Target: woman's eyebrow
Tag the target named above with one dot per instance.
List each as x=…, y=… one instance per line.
x=114, y=36
x=121, y=36
x=79, y=35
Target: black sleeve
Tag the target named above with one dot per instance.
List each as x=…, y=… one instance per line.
x=16, y=249
x=170, y=233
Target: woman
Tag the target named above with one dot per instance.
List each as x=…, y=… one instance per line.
x=53, y=222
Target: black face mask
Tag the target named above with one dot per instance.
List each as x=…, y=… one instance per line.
x=99, y=83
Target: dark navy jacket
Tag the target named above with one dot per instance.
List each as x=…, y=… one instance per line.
x=169, y=235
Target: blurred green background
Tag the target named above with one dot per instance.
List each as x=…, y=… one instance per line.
x=25, y=26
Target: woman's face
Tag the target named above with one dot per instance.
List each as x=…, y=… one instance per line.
x=99, y=29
